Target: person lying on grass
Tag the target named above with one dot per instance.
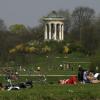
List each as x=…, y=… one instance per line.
x=71, y=80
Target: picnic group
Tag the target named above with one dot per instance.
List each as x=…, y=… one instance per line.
x=83, y=76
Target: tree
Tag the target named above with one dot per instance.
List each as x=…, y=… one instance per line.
x=67, y=19
x=82, y=16
x=97, y=30
x=18, y=28
x=38, y=33
x=67, y=22
x=95, y=61
x=88, y=39
x=2, y=25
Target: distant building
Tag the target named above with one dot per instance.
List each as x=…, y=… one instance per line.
x=54, y=27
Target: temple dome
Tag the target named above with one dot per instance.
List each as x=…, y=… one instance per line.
x=54, y=14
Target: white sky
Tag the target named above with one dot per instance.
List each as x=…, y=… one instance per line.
x=28, y=12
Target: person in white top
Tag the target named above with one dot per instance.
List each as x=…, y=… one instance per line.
x=93, y=77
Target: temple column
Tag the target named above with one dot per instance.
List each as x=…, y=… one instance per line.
x=49, y=31
x=62, y=31
x=45, y=32
x=55, y=31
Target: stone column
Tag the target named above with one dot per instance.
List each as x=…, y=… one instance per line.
x=49, y=31
x=45, y=36
x=62, y=32
x=55, y=31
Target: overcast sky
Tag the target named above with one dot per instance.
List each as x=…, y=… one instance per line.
x=28, y=12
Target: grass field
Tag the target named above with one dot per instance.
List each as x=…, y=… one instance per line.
x=55, y=92
x=50, y=64
x=51, y=90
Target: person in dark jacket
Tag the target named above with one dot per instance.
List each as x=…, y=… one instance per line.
x=80, y=74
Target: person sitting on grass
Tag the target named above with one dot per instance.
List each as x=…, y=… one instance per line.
x=80, y=74
x=93, y=77
x=1, y=87
x=85, y=78
x=89, y=77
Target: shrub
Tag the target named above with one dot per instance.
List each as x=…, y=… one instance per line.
x=95, y=65
x=46, y=49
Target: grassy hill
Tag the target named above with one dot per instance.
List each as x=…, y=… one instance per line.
x=51, y=90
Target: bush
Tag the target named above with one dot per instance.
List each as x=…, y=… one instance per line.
x=76, y=47
x=95, y=65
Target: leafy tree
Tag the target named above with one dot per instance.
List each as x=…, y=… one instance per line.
x=18, y=28
x=38, y=33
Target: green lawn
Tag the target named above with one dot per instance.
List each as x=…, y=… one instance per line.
x=51, y=90
x=50, y=64
x=55, y=92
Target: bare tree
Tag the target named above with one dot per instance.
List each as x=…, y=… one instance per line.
x=2, y=25
x=67, y=16
x=81, y=17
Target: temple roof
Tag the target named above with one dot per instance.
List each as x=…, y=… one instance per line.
x=54, y=16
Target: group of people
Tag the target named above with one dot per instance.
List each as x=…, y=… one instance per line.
x=86, y=76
